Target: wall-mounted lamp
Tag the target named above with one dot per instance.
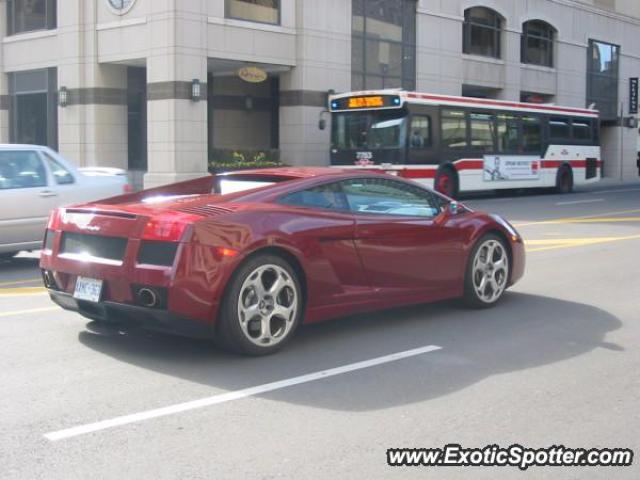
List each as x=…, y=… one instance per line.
x=196, y=90
x=63, y=97
x=248, y=102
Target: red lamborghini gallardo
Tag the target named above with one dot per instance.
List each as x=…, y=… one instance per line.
x=248, y=256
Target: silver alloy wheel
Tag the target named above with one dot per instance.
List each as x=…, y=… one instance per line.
x=268, y=305
x=490, y=271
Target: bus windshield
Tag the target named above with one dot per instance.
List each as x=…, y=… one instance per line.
x=371, y=130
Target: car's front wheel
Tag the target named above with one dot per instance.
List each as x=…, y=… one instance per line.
x=488, y=272
x=262, y=308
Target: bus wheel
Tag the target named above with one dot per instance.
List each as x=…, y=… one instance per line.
x=564, y=180
x=447, y=182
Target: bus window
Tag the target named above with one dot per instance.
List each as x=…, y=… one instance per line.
x=559, y=129
x=531, y=135
x=454, y=129
x=482, y=131
x=420, y=132
x=385, y=129
x=508, y=131
x=582, y=130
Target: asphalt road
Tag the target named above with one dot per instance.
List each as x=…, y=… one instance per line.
x=556, y=363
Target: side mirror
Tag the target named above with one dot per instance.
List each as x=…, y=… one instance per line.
x=322, y=124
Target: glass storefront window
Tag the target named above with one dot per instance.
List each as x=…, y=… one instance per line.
x=30, y=15
x=602, y=78
x=383, y=46
x=33, y=107
x=262, y=11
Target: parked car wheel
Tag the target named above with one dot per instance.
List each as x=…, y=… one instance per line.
x=262, y=307
x=488, y=272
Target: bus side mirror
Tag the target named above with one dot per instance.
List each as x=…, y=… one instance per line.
x=322, y=124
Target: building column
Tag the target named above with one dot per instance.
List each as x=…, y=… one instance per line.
x=92, y=128
x=325, y=65
x=176, y=124
x=4, y=84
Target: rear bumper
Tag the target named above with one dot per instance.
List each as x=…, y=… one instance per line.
x=133, y=316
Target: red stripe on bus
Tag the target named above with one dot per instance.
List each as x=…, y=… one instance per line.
x=461, y=165
x=497, y=103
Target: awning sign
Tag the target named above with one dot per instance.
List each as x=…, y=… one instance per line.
x=499, y=168
x=252, y=74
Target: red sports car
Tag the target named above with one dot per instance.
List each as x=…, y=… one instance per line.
x=246, y=257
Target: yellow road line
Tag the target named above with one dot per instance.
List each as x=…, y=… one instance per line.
x=555, y=244
x=4, y=292
x=581, y=219
x=20, y=282
x=32, y=310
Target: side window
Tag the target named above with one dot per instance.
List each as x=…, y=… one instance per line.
x=582, y=130
x=21, y=169
x=508, y=132
x=482, y=131
x=559, y=129
x=389, y=197
x=420, y=132
x=61, y=175
x=531, y=134
x=454, y=129
x=327, y=196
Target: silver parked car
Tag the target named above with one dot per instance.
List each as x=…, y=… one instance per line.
x=33, y=181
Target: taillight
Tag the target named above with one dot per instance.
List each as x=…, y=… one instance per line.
x=169, y=227
x=54, y=220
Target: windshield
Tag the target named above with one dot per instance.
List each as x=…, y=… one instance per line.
x=372, y=130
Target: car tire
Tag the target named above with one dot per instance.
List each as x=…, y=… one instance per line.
x=257, y=316
x=564, y=180
x=487, y=273
x=446, y=182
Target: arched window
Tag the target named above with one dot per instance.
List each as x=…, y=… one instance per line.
x=482, y=32
x=537, y=43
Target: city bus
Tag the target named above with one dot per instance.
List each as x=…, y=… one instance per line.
x=462, y=144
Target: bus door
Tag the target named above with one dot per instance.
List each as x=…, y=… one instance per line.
x=423, y=136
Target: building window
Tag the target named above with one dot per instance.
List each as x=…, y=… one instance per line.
x=537, y=43
x=262, y=11
x=33, y=107
x=603, y=67
x=30, y=15
x=482, y=32
x=383, y=51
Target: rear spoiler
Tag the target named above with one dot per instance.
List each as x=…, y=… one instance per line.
x=198, y=186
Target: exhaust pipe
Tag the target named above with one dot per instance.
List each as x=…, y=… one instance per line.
x=148, y=297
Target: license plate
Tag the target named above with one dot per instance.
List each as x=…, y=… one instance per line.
x=88, y=289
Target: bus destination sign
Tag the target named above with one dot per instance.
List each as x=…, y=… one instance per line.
x=366, y=102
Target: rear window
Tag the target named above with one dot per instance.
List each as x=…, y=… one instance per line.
x=243, y=183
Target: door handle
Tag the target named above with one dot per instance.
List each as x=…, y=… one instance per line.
x=47, y=193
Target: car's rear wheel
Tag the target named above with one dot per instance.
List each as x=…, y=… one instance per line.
x=488, y=272
x=262, y=308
